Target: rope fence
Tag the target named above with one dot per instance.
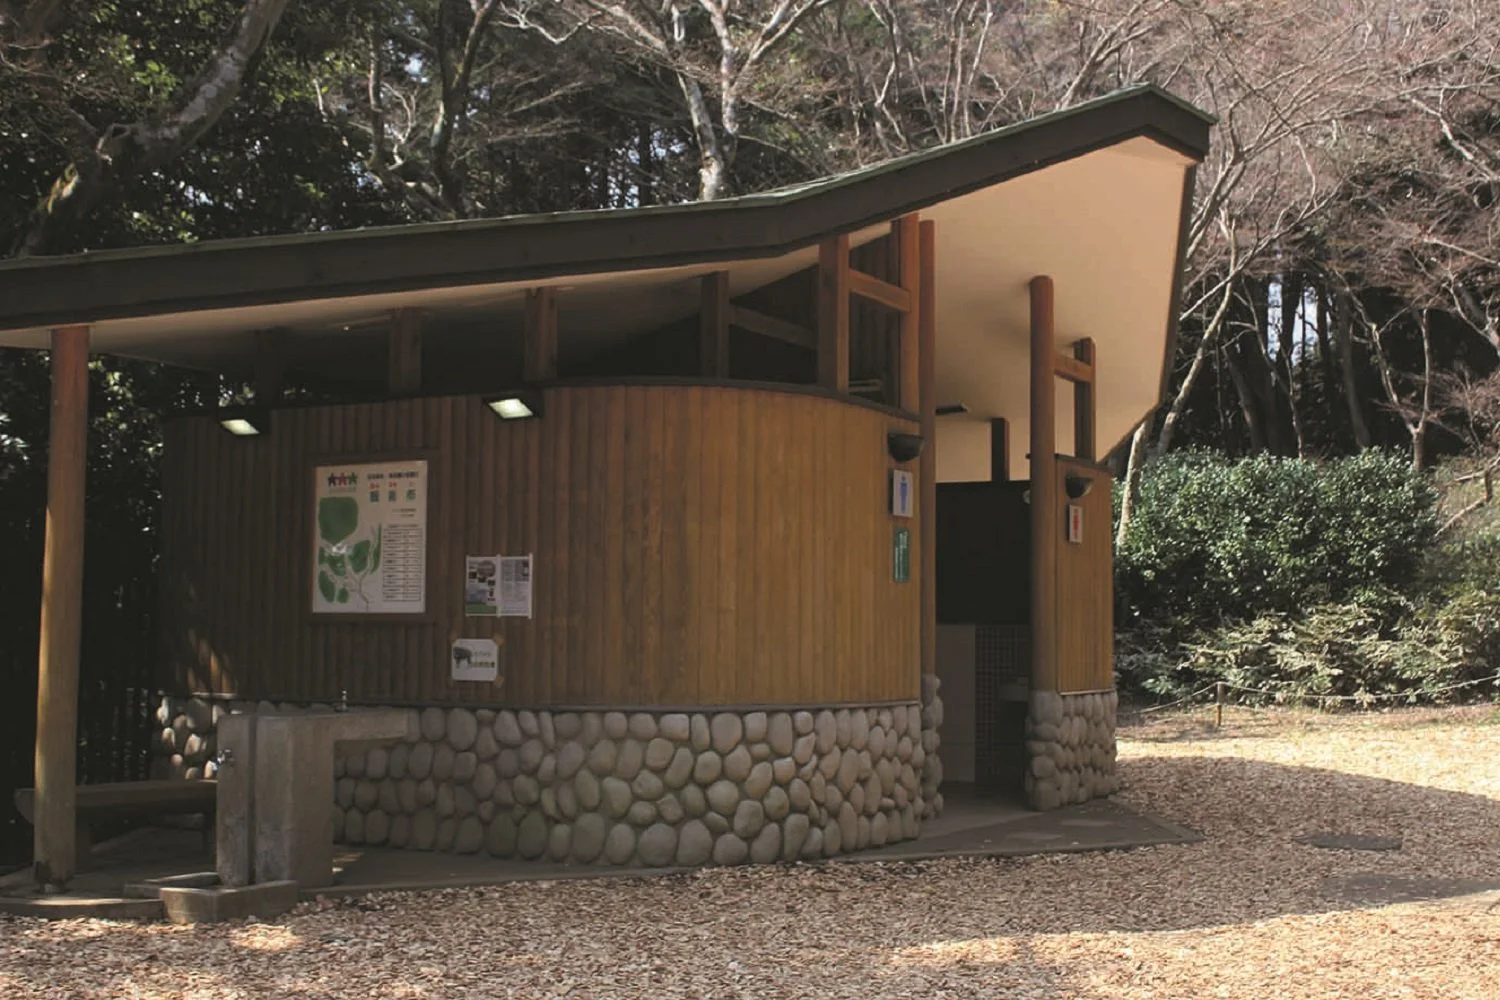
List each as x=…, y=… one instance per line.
x=1220, y=691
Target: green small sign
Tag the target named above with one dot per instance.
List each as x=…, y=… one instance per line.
x=901, y=555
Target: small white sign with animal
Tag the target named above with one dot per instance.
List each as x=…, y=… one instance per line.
x=476, y=660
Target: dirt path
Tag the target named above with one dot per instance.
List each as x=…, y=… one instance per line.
x=1249, y=914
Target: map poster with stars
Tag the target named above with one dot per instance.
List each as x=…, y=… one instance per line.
x=372, y=539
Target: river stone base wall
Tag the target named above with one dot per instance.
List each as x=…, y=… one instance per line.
x=1070, y=746
x=932, y=767
x=594, y=787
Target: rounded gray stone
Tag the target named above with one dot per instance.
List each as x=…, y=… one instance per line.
x=588, y=837
x=777, y=804
x=825, y=730
x=694, y=802
x=695, y=844
x=592, y=731
x=802, y=722
x=508, y=763
x=833, y=838
x=793, y=835
x=812, y=847
x=723, y=796
x=878, y=830
x=406, y=794
x=485, y=812
x=848, y=825
x=419, y=764
x=447, y=829
x=641, y=726
x=737, y=764
x=470, y=835
x=799, y=795
x=680, y=769
x=484, y=781
x=669, y=808
x=396, y=762
x=658, y=845
x=780, y=734
x=848, y=772
x=602, y=757
x=400, y=832
x=442, y=762
x=507, y=730
x=859, y=728
x=526, y=789
x=727, y=730
x=586, y=787
x=463, y=729
x=546, y=771
x=387, y=798
x=647, y=786
x=760, y=751
x=570, y=758
x=829, y=763
x=567, y=726
x=354, y=827
x=560, y=842
x=659, y=753
x=532, y=753
x=758, y=782
x=424, y=830
x=717, y=825
x=803, y=748
x=730, y=850
x=567, y=800
x=485, y=744
x=700, y=734
x=343, y=792
x=527, y=721
x=749, y=818
x=365, y=795
x=631, y=757
x=465, y=765
x=619, y=846
x=708, y=767
x=844, y=726
x=500, y=838
x=766, y=847
x=377, y=763
x=755, y=727
x=641, y=814
x=433, y=724
x=783, y=770
x=616, y=725
x=531, y=837
x=674, y=726
x=464, y=801
x=877, y=742
x=444, y=805
x=615, y=797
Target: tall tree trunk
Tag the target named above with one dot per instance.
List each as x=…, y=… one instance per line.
x=1131, y=485
x=1343, y=335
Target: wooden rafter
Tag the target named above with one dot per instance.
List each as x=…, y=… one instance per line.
x=1074, y=369
x=867, y=286
x=753, y=320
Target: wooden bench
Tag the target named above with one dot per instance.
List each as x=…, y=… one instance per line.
x=121, y=799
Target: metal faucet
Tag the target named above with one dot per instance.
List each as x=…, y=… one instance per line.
x=224, y=757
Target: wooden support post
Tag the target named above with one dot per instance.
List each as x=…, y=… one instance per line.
x=404, y=353
x=540, y=363
x=713, y=326
x=270, y=366
x=833, y=314
x=904, y=233
x=1084, y=409
x=999, y=450
x=1046, y=513
x=925, y=358
x=62, y=612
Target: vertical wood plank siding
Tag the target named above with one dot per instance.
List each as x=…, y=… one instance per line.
x=1085, y=587
x=695, y=545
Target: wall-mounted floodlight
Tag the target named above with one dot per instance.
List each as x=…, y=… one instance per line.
x=904, y=447
x=1078, y=486
x=515, y=406
x=245, y=421
x=951, y=410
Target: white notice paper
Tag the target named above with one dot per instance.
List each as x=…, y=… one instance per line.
x=476, y=660
x=371, y=544
x=515, y=587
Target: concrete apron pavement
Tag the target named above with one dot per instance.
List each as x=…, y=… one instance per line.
x=971, y=826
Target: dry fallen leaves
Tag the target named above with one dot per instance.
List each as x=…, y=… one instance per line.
x=1247, y=914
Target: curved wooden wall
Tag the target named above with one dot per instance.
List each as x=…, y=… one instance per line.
x=695, y=545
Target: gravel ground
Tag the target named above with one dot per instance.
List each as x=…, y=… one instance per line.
x=1248, y=914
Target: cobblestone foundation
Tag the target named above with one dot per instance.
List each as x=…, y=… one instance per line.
x=597, y=787
x=1070, y=748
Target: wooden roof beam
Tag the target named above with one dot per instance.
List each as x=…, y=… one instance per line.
x=867, y=286
x=745, y=318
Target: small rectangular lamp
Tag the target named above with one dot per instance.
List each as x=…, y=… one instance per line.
x=514, y=406
x=245, y=422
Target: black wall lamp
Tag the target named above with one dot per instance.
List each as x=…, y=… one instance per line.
x=904, y=447
x=1077, y=486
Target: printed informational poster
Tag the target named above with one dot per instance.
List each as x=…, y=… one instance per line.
x=372, y=539
x=481, y=579
x=515, y=586
x=476, y=660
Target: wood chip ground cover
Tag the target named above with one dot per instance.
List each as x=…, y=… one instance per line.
x=1250, y=913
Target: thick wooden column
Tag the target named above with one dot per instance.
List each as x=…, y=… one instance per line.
x=62, y=611
x=1085, y=438
x=999, y=450
x=540, y=360
x=925, y=361
x=404, y=354
x=713, y=326
x=904, y=233
x=1045, y=513
x=833, y=314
